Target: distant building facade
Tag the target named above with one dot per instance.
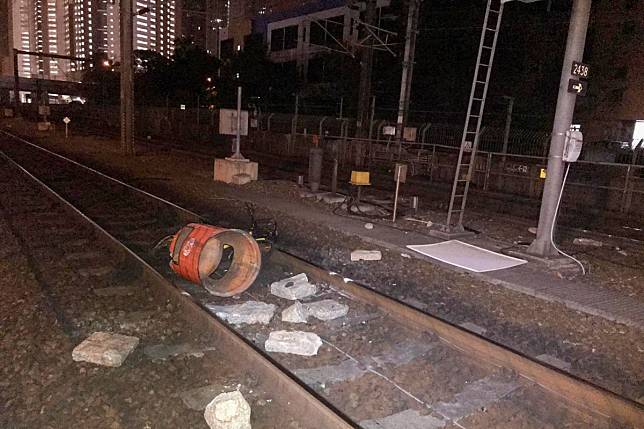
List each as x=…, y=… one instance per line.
x=201, y=20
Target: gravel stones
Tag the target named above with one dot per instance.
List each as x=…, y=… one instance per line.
x=228, y=411
x=293, y=288
x=293, y=342
x=248, y=313
x=104, y=348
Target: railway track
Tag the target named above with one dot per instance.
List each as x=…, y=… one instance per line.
x=383, y=365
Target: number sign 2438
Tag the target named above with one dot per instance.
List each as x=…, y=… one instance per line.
x=580, y=69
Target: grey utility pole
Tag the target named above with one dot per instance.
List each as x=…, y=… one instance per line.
x=542, y=245
x=127, y=79
x=366, y=66
x=408, y=67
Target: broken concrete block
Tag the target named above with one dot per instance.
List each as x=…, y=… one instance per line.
x=293, y=342
x=296, y=313
x=368, y=225
x=366, y=255
x=293, y=288
x=587, y=242
x=532, y=230
x=249, y=312
x=104, y=348
x=228, y=411
x=327, y=309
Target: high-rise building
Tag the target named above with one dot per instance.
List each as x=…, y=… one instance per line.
x=201, y=20
x=38, y=26
x=154, y=27
x=6, y=37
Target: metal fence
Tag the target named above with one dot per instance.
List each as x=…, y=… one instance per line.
x=520, y=141
x=592, y=186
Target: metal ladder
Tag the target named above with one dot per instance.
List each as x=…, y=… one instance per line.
x=475, y=108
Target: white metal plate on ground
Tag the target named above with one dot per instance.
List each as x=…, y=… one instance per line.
x=467, y=256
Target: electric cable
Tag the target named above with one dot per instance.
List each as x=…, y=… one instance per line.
x=554, y=222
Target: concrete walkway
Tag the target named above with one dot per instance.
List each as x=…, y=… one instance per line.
x=534, y=278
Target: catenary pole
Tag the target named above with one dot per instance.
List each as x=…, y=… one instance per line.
x=542, y=245
x=127, y=84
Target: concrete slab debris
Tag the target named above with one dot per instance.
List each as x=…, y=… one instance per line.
x=105, y=348
x=350, y=369
x=165, y=352
x=296, y=313
x=479, y=394
x=368, y=225
x=327, y=309
x=197, y=399
x=249, y=313
x=294, y=288
x=115, y=291
x=555, y=361
x=408, y=419
x=366, y=255
x=587, y=242
x=293, y=342
x=532, y=230
x=228, y=411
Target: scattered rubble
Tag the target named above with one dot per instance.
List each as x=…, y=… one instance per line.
x=327, y=309
x=294, y=288
x=104, y=348
x=368, y=225
x=296, y=313
x=366, y=255
x=228, y=411
x=406, y=255
x=587, y=242
x=248, y=313
x=293, y=342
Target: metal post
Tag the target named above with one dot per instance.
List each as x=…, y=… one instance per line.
x=371, y=117
x=366, y=67
x=542, y=245
x=198, y=120
x=16, y=83
x=294, y=121
x=508, y=124
x=127, y=75
x=237, y=154
x=408, y=68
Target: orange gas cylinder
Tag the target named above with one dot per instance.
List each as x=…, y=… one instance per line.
x=197, y=252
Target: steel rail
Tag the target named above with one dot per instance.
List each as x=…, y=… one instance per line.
x=290, y=392
x=579, y=393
